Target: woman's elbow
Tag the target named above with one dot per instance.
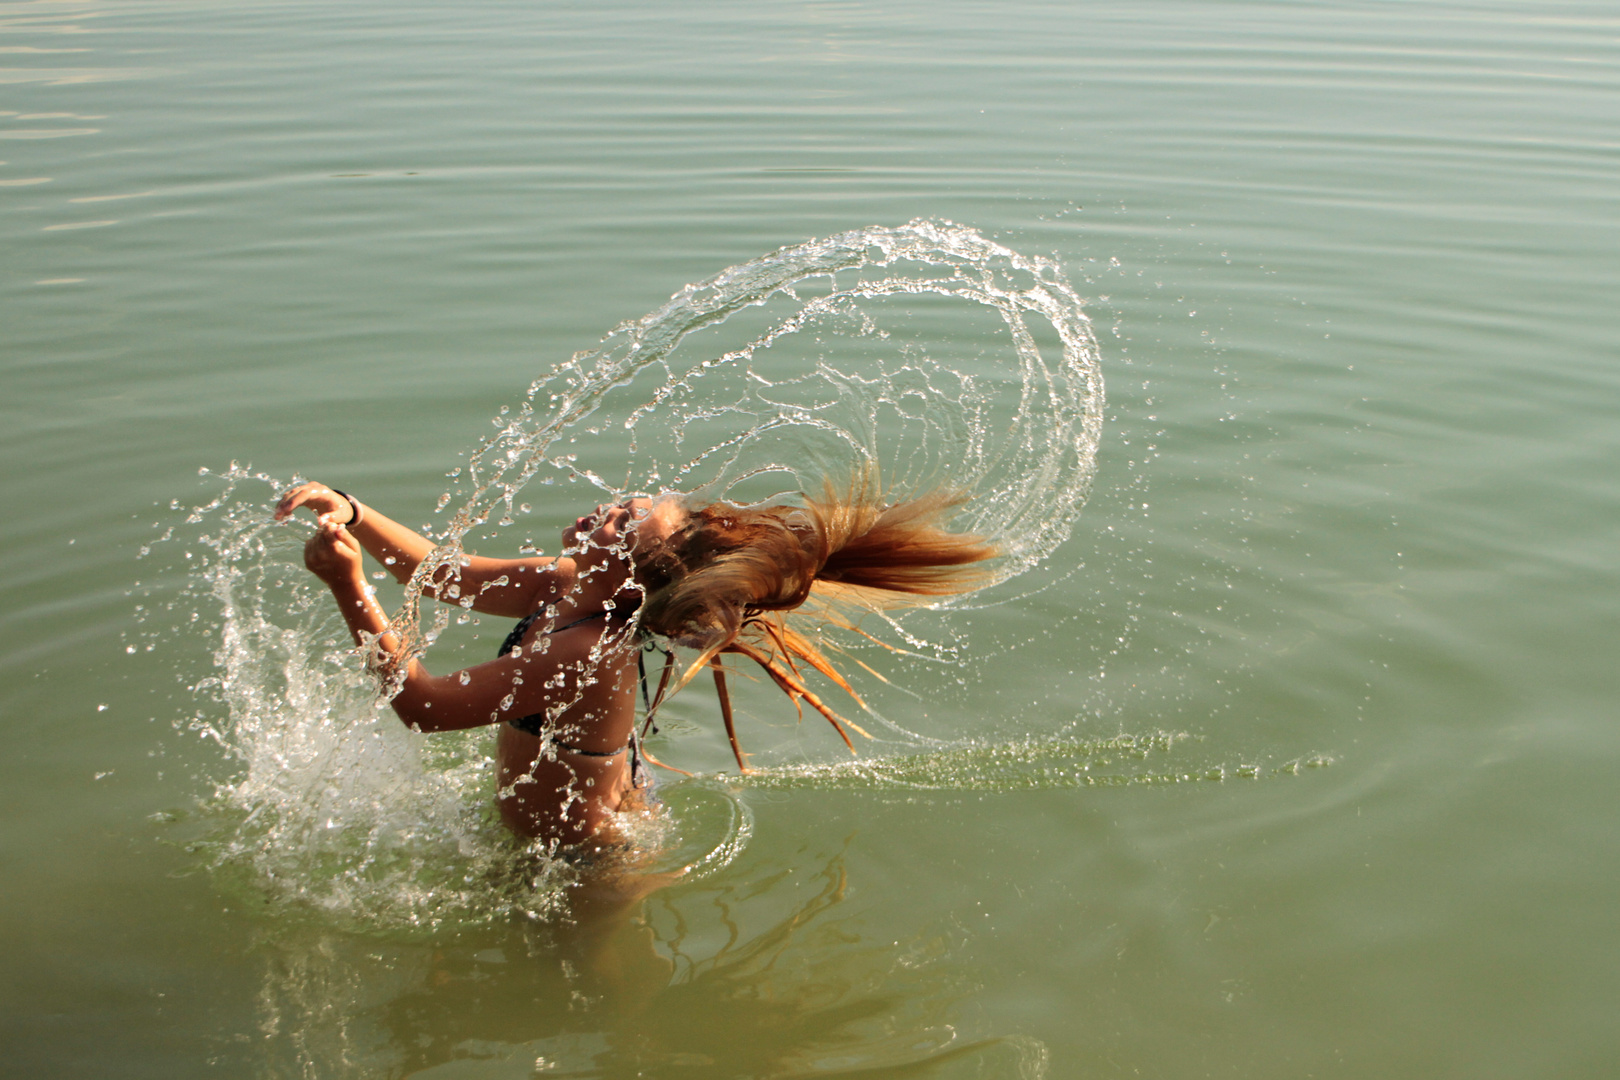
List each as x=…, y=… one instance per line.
x=415, y=710
x=413, y=715
x=428, y=712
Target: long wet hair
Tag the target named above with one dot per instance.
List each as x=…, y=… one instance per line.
x=725, y=580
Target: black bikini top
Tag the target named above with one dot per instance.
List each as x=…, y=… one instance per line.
x=521, y=630
x=534, y=723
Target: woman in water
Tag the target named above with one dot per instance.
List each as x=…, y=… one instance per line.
x=710, y=578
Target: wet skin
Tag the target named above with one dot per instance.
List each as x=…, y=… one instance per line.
x=583, y=677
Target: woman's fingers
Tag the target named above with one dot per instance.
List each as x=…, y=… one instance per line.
x=315, y=549
x=331, y=552
x=321, y=500
x=337, y=537
x=346, y=538
x=292, y=500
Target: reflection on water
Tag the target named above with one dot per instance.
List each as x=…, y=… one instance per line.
x=79, y=225
x=772, y=974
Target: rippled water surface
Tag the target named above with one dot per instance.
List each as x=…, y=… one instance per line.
x=1288, y=753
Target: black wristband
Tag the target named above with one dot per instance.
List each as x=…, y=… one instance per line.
x=356, y=513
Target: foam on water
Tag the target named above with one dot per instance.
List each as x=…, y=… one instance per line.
x=909, y=351
x=1025, y=765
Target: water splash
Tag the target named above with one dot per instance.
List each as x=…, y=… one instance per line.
x=327, y=803
x=910, y=349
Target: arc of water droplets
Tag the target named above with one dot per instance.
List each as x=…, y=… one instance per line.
x=1026, y=487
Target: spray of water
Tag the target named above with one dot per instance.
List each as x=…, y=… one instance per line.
x=926, y=353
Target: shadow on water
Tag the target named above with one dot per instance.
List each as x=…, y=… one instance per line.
x=768, y=975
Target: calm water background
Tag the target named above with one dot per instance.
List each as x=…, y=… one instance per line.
x=1346, y=583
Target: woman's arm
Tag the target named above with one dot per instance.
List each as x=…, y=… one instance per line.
x=511, y=588
x=510, y=687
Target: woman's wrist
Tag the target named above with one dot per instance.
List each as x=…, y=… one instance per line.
x=357, y=513
x=350, y=588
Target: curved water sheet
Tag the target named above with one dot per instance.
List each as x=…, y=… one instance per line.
x=926, y=353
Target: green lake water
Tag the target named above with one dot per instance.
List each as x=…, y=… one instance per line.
x=1295, y=759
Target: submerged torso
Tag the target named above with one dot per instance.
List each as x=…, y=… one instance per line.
x=567, y=791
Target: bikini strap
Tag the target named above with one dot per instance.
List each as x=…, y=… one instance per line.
x=582, y=752
x=515, y=638
x=639, y=776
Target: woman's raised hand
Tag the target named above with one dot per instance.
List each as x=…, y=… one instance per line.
x=327, y=505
